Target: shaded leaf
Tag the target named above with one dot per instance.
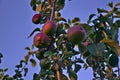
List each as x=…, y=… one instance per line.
x=36, y=29
x=18, y=66
x=117, y=13
x=73, y=75
x=36, y=76
x=92, y=49
x=6, y=69
x=21, y=61
x=1, y=55
x=60, y=4
x=25, y=71
x=64, y=77
x=102, y=10
x=66, y=26
x=33, y=2
x=113, y=44
x=110, y=4
x=101, y=46
x=77, y=67
x=90, y=17
x=33, y=62
x=79, y=60
x=27, y=48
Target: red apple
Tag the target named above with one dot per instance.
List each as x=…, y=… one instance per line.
x=76, y=34
x=49, y=28
x=36, y=18
x=41, y=40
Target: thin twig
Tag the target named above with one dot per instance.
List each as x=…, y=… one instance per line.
x=53, y=10
x=58, y=72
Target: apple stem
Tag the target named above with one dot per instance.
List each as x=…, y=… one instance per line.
x=53, y=10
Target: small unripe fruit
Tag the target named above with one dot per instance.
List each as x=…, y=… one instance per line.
x=49, y=28
x=41, y=40
x=36, y=18
x=76, y=34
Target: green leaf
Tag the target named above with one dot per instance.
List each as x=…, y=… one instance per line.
x=92, y=49
x=102, y=10
x=68, y=54
x=112, y=43
x=36, y=76
x=6, y=69
x=62, y=19
x=90, y=17
x=1, y=56
x=36, y=29
x=110, y=4
x=76, y=20
x=27, y=48
x=69, y=21
x=79, y=60
x=48, y=54
x=57, y=14
x=33, y=2
x=87, y=28
x=25, y=71
x=66, y=26
x=60, y=4
x=33, y=62
x=18, y=66
x=101, y=46
x=77, y=67
x=73, y=75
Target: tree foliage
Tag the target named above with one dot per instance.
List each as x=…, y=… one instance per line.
x=99, y=49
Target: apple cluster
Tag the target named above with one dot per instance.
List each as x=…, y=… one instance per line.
x=75, y=34
x=41, y=39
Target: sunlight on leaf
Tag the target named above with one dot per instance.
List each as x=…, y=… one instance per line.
x=113, y=44
x=38, y=8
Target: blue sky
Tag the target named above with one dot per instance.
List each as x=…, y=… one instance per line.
x=16, y=25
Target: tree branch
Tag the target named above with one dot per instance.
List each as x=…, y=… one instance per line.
x=53, y=10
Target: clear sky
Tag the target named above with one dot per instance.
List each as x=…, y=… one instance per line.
x=16, y=25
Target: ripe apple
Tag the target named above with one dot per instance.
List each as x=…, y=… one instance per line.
x=76, y=34
x=49, y=28
x=41, y=40
x=36, y=18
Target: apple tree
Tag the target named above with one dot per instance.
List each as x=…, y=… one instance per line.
x=68, y=45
